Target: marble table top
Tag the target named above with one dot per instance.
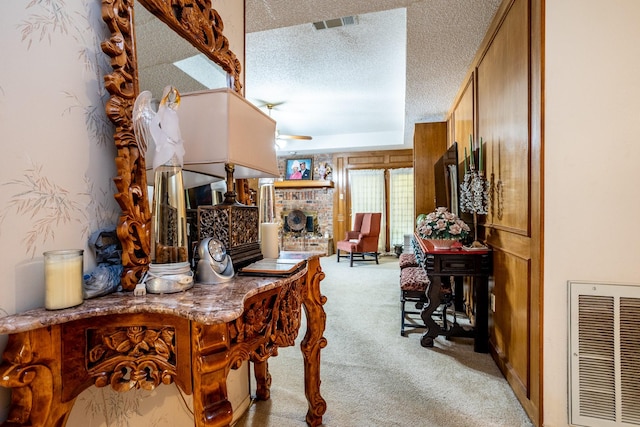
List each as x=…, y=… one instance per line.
x=206, y=304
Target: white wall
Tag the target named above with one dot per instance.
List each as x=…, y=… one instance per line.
x=56, y=178
x=592, y=165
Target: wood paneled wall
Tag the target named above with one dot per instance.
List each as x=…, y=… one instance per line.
x=464, y=118
x=502, y=97
x=429, y=144
x=342, y=163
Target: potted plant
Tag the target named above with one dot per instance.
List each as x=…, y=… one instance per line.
x=442, y=228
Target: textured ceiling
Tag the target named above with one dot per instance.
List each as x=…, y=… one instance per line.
x=362, y=86
x=356, y=87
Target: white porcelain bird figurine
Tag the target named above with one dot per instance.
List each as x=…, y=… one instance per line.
x=158, y=129
x=142, y=115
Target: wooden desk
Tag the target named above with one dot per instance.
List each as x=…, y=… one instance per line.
x=457, y=263
x=191, y=338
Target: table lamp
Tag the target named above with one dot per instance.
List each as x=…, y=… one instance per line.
x=226, y=136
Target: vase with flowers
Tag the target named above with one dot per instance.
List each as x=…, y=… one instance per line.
x=442, y=228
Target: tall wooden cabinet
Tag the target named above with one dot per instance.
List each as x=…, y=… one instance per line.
x=501, y=102
x=429, y=143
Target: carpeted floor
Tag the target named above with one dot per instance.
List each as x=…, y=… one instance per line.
x=372, y=376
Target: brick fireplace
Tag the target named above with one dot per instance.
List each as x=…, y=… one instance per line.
x=317, y=206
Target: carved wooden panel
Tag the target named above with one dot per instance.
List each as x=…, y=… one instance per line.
x=218, y=222
x=270, y=320
x=131, y=357
x=28, y=368
x=133, y=352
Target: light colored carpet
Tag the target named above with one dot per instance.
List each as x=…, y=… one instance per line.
x=372, y=376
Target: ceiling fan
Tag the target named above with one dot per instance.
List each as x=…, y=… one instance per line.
x=279, y=136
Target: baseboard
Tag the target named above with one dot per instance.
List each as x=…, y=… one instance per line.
x=241, y=409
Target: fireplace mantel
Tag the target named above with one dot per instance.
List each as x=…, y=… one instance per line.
x=304, y=184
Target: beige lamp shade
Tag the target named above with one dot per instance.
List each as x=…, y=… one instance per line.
x=219, y=127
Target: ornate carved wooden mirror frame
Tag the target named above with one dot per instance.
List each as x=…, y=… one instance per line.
x=198, y=23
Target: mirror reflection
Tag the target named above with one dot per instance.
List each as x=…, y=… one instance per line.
x=165, y=57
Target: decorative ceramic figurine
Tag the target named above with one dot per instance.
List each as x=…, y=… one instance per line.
x=169, y=269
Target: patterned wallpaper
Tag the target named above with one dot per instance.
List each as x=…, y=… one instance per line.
x=46, y=200
x=56, y=179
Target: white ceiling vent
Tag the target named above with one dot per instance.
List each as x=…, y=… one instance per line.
x=333, y=23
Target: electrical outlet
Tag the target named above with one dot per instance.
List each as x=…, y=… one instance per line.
x=493, y=303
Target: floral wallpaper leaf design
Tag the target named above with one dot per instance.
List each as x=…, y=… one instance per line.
x=98, y=124
x=49, y=18
x=116, y=408
x=56, y=19
x=99, y=213
x=97, y=63
x=1, y=103
x=46, y=202
x=41, y=26
x=109, y=408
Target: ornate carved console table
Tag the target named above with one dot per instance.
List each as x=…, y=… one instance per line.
x=441, y=264
x=192, y=338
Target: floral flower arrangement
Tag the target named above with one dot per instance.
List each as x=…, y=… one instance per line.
x=323, y=170
x=441, y=224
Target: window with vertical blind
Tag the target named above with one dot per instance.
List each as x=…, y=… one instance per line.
x=367, y=189
x=401, y=204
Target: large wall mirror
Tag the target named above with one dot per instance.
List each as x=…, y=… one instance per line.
x=200, y=28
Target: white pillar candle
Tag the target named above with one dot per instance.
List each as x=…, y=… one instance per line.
x=269, y=239
x=63, y=279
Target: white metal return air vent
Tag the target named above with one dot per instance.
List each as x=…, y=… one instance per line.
x=338, y=22
x=604, y=355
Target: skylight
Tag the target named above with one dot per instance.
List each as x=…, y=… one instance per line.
x=200, y=68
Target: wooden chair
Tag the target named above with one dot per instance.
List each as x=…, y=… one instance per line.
x=414, y=284
x=413, y=287
x=408, y=260
x=362, y=240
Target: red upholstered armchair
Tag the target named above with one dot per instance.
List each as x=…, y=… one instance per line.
x=363, y=239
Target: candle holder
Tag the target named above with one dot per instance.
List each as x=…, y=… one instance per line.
x=474, y=190
x=269, y=244
x=63, y=274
